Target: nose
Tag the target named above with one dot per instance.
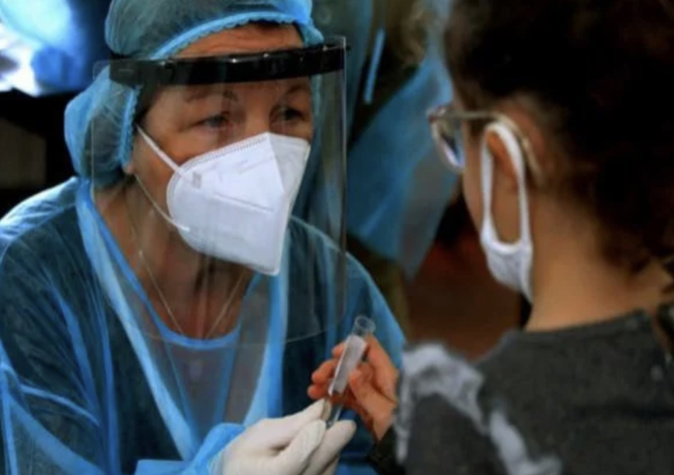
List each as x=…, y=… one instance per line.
x=257, y=123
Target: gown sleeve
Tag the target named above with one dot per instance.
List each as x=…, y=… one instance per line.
x=51, y=420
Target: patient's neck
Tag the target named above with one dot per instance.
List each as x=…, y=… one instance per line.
x=574, y=284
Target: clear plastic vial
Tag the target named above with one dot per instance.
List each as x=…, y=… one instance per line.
x=353, y=353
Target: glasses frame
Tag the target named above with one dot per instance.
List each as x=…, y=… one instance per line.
x=448, y=113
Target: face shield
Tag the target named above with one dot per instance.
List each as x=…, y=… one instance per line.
x=213, y=281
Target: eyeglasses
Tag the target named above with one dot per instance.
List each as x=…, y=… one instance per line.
x=445, y=122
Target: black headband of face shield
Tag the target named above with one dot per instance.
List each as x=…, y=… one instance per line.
x=236, y=68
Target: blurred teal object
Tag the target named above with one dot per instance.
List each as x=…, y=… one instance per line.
x=397, y=188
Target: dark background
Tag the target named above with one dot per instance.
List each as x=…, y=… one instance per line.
x=33, y=154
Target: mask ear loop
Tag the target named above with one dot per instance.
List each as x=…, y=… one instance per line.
x=155, y=148
x=516, y=155
x=160, y=153
x=517, y=158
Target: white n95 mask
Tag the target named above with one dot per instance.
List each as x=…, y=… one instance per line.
x=234, y=203
x=509, y=263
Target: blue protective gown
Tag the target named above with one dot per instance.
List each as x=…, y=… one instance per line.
x=73, y=396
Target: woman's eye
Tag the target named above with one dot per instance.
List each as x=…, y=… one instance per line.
x=215, y=122
x=289, y=114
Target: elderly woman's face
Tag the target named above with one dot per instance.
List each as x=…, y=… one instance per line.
x=189, y=121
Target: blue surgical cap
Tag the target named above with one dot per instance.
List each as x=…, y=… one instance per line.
x=155, y=29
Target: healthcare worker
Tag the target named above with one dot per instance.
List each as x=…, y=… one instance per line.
x=159, y=305
x=397, y=190
x=563, y=129
x=395, y=67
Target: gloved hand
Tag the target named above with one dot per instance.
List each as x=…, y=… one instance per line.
x=294, y=445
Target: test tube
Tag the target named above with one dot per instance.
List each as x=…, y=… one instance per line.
x=351, y=357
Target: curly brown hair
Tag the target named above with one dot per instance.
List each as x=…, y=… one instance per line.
x=600, y=75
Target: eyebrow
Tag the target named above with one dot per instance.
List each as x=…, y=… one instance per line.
x=201, y=92
x=297, y=88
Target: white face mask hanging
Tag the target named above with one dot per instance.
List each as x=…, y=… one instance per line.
x=509, y=263
x=234, y=203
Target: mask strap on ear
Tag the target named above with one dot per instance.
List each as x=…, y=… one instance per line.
x=517, y=158
x=487, y=172
x=156, y=206
x=160, y=153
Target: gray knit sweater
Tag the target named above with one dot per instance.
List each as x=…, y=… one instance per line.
x=590, y=400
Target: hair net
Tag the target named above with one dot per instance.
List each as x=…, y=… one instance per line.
x=155, y=30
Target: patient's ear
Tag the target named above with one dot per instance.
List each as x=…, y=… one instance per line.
x=501, y=146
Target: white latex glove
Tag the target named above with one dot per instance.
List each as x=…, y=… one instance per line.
x=294, y=445
x=324, y=461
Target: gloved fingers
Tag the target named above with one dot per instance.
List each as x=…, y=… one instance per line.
x=332, y=468
x=346, y=399
x=327, y=410
x=295, y=458
x=325, y=459
x=278, y=433
x=329, y=470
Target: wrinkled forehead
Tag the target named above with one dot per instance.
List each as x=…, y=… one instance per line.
x=240, y=93
x=249, y=98
x=251, y=38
